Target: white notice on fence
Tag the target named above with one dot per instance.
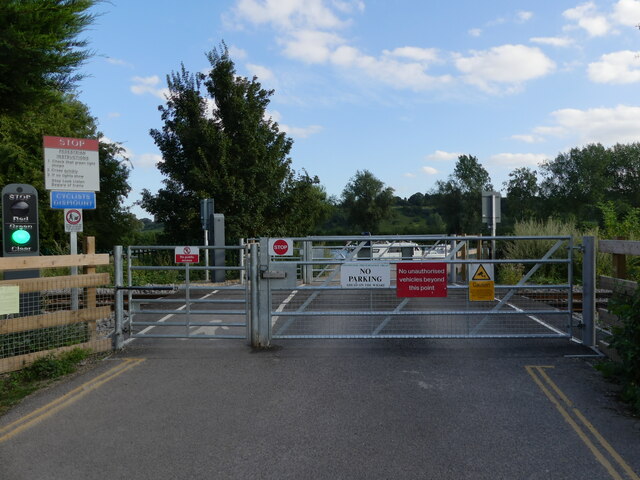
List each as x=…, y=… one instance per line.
x=365, y=275
x=9, y=299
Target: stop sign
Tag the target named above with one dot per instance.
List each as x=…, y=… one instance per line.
x=281, y=246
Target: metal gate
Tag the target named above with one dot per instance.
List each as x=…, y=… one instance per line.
x=307, y=297
x=268, y=296
x=159, y=298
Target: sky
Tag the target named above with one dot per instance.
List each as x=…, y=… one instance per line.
x=397, y=87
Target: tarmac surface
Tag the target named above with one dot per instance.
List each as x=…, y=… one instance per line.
x=334, y=409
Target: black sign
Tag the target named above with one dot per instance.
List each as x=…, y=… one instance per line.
x=20, y=220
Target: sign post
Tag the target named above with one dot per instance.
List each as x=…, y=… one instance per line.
x=491, y=215
x=72, y=225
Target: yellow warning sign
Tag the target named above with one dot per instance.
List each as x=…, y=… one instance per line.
x=482, y=291
x=481, y=274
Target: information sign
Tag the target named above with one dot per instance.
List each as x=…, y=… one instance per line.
x=421, y=279
x=73, y=220
x=71, y=164
x=365, y=275
x=187, y=254
x=481, y=283
x=81, y=200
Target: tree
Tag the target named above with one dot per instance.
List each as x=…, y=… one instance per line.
x=366, y=200
x=217, y=142
x=577, y=181
x=522, y=194
x=22, y=161
x=40, y=50
x=459, y=198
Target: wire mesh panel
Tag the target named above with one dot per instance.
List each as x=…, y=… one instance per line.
x=530, y=296
x=169, y=299
x=53, y=311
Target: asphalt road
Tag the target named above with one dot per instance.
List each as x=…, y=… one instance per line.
x=334, y=409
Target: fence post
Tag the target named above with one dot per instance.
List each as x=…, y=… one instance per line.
x=242, y=251
x=308, y=257
x=253, y=286
x=118, y=340
x=589, y=290
x=263, y=334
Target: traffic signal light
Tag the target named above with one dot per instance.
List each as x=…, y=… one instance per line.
x=20, y=220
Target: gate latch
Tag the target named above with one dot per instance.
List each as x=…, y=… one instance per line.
x=273, y=274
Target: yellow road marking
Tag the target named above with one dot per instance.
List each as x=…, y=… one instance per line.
x=540, y=377
x=65, y=400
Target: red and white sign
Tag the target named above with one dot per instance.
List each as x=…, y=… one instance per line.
x=71, y=164
x=421, y=279
x=187, y=254
x=281, y=247
x=73, y=220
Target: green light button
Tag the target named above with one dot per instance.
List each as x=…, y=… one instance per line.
x=20, y=237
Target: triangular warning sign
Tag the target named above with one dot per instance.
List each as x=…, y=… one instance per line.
x=481, y=274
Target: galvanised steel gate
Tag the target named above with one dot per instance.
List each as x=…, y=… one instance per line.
x=269, y=296
x=308, y=297
x=159, y=298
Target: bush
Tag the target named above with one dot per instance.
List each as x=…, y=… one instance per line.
x=625, y=339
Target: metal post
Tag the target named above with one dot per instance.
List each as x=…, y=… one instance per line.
x=253, y=285
x=493, y=226
x=264, y=297
x=187, y=298
x=206, y=255
x=242, y=252
x=118, y=340
x=589, y=290
x=307, y=249
x=73, y=244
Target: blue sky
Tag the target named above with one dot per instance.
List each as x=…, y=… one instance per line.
x=400, y=88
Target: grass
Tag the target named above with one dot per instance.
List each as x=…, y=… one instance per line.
x=17, y=385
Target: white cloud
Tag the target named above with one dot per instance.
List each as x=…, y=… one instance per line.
x=504, y=67
x=288, y=14
x=147, y=160
x=442, y=155
x=296, y=132
x=263, y=73
x=143, y=85
x=119, y=62
x=518, y=159
x=237, y=53
x=409, y=175
x=616, y=68
x=114, y=115
x=553, y=41
x=608, y=126
x=475, y=32
x=528, y=138
x=414, y=53
x=587, y=17
x=311, y=46
x=524, y=16
x=627, y=12
x=430, y=170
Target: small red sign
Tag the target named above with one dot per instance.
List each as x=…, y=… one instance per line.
x=187, y=255
x=421, y=279
x=280, y=247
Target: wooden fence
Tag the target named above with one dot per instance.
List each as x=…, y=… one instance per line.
x=45, y=329
x=619, y=249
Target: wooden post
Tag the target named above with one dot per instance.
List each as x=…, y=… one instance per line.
x=90, y=295
x=620, y=263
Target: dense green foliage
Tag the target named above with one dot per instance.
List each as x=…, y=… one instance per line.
x=366, y=201
x=217, y=142
x=625, y=339
x=39, y=55
x=40, y=50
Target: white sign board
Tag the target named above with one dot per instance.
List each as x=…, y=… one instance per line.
x=71, y=164
x=73, y=220
x=365, y=275
x=187, y=254
x=9, y=299
x=281, y=247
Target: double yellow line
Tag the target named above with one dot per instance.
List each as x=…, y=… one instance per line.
x=67, y=399
x=596, y=443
